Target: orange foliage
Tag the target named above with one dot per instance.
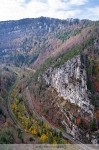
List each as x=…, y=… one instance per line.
x=97, y=114
x=96, y=82
x=34, y=132
x=78, y=121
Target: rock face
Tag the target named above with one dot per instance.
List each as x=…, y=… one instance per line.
x=70, y=83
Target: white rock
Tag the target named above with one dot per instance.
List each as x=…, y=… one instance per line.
x=70, y=82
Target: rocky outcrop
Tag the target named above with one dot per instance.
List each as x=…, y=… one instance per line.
x=70, y=82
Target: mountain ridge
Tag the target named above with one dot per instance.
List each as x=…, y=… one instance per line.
x=34, y=36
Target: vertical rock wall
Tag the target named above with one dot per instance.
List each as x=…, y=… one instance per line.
x=70, y=82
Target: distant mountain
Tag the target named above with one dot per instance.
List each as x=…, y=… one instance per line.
x=29, y=39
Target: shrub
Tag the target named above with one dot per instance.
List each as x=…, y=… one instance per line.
x=6, y=137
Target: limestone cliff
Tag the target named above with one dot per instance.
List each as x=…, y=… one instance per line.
x=70, y=82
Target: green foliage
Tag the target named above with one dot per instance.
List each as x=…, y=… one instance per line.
x=77, y=31
x=20, y=135
x=60, y=134
x=41, y=123
x=31, y=139
x=20, y=99
x=6, y=137
x=67, y=35
x=63, y=36
x=54, y=133
x=93, y=124
x=20, y=108
x=19, y=59
x=89, y=42
x=46, y=111
x=34, y=57
x=59, y=140
x=43, y=131
x=89, y=84
x=66, y=56
x=43, y=67
x=50, y=139
x=42, y=86
x=57, y=61
x=1, y=111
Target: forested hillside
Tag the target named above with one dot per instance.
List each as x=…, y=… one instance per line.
x=49, y=81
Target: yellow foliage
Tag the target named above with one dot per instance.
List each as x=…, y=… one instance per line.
x=13, y=106
x=23, y=123
x=17, y=101
x=27, y=122
x=6, y=124
x=21, y=108
x=31, y=128
x=54, y=141
x=35, y=126
x=19, y=114
x=43, y=138
x=63, y=141
x=47, y=126
x=97, y=67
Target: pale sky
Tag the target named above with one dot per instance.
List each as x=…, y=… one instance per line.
x=62, y=9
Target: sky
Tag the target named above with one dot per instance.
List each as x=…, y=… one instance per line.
x=62, y=9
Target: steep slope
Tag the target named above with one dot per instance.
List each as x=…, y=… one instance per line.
x=64, y=54
x=28, y=40
x=65, y=91
x=70, y=82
